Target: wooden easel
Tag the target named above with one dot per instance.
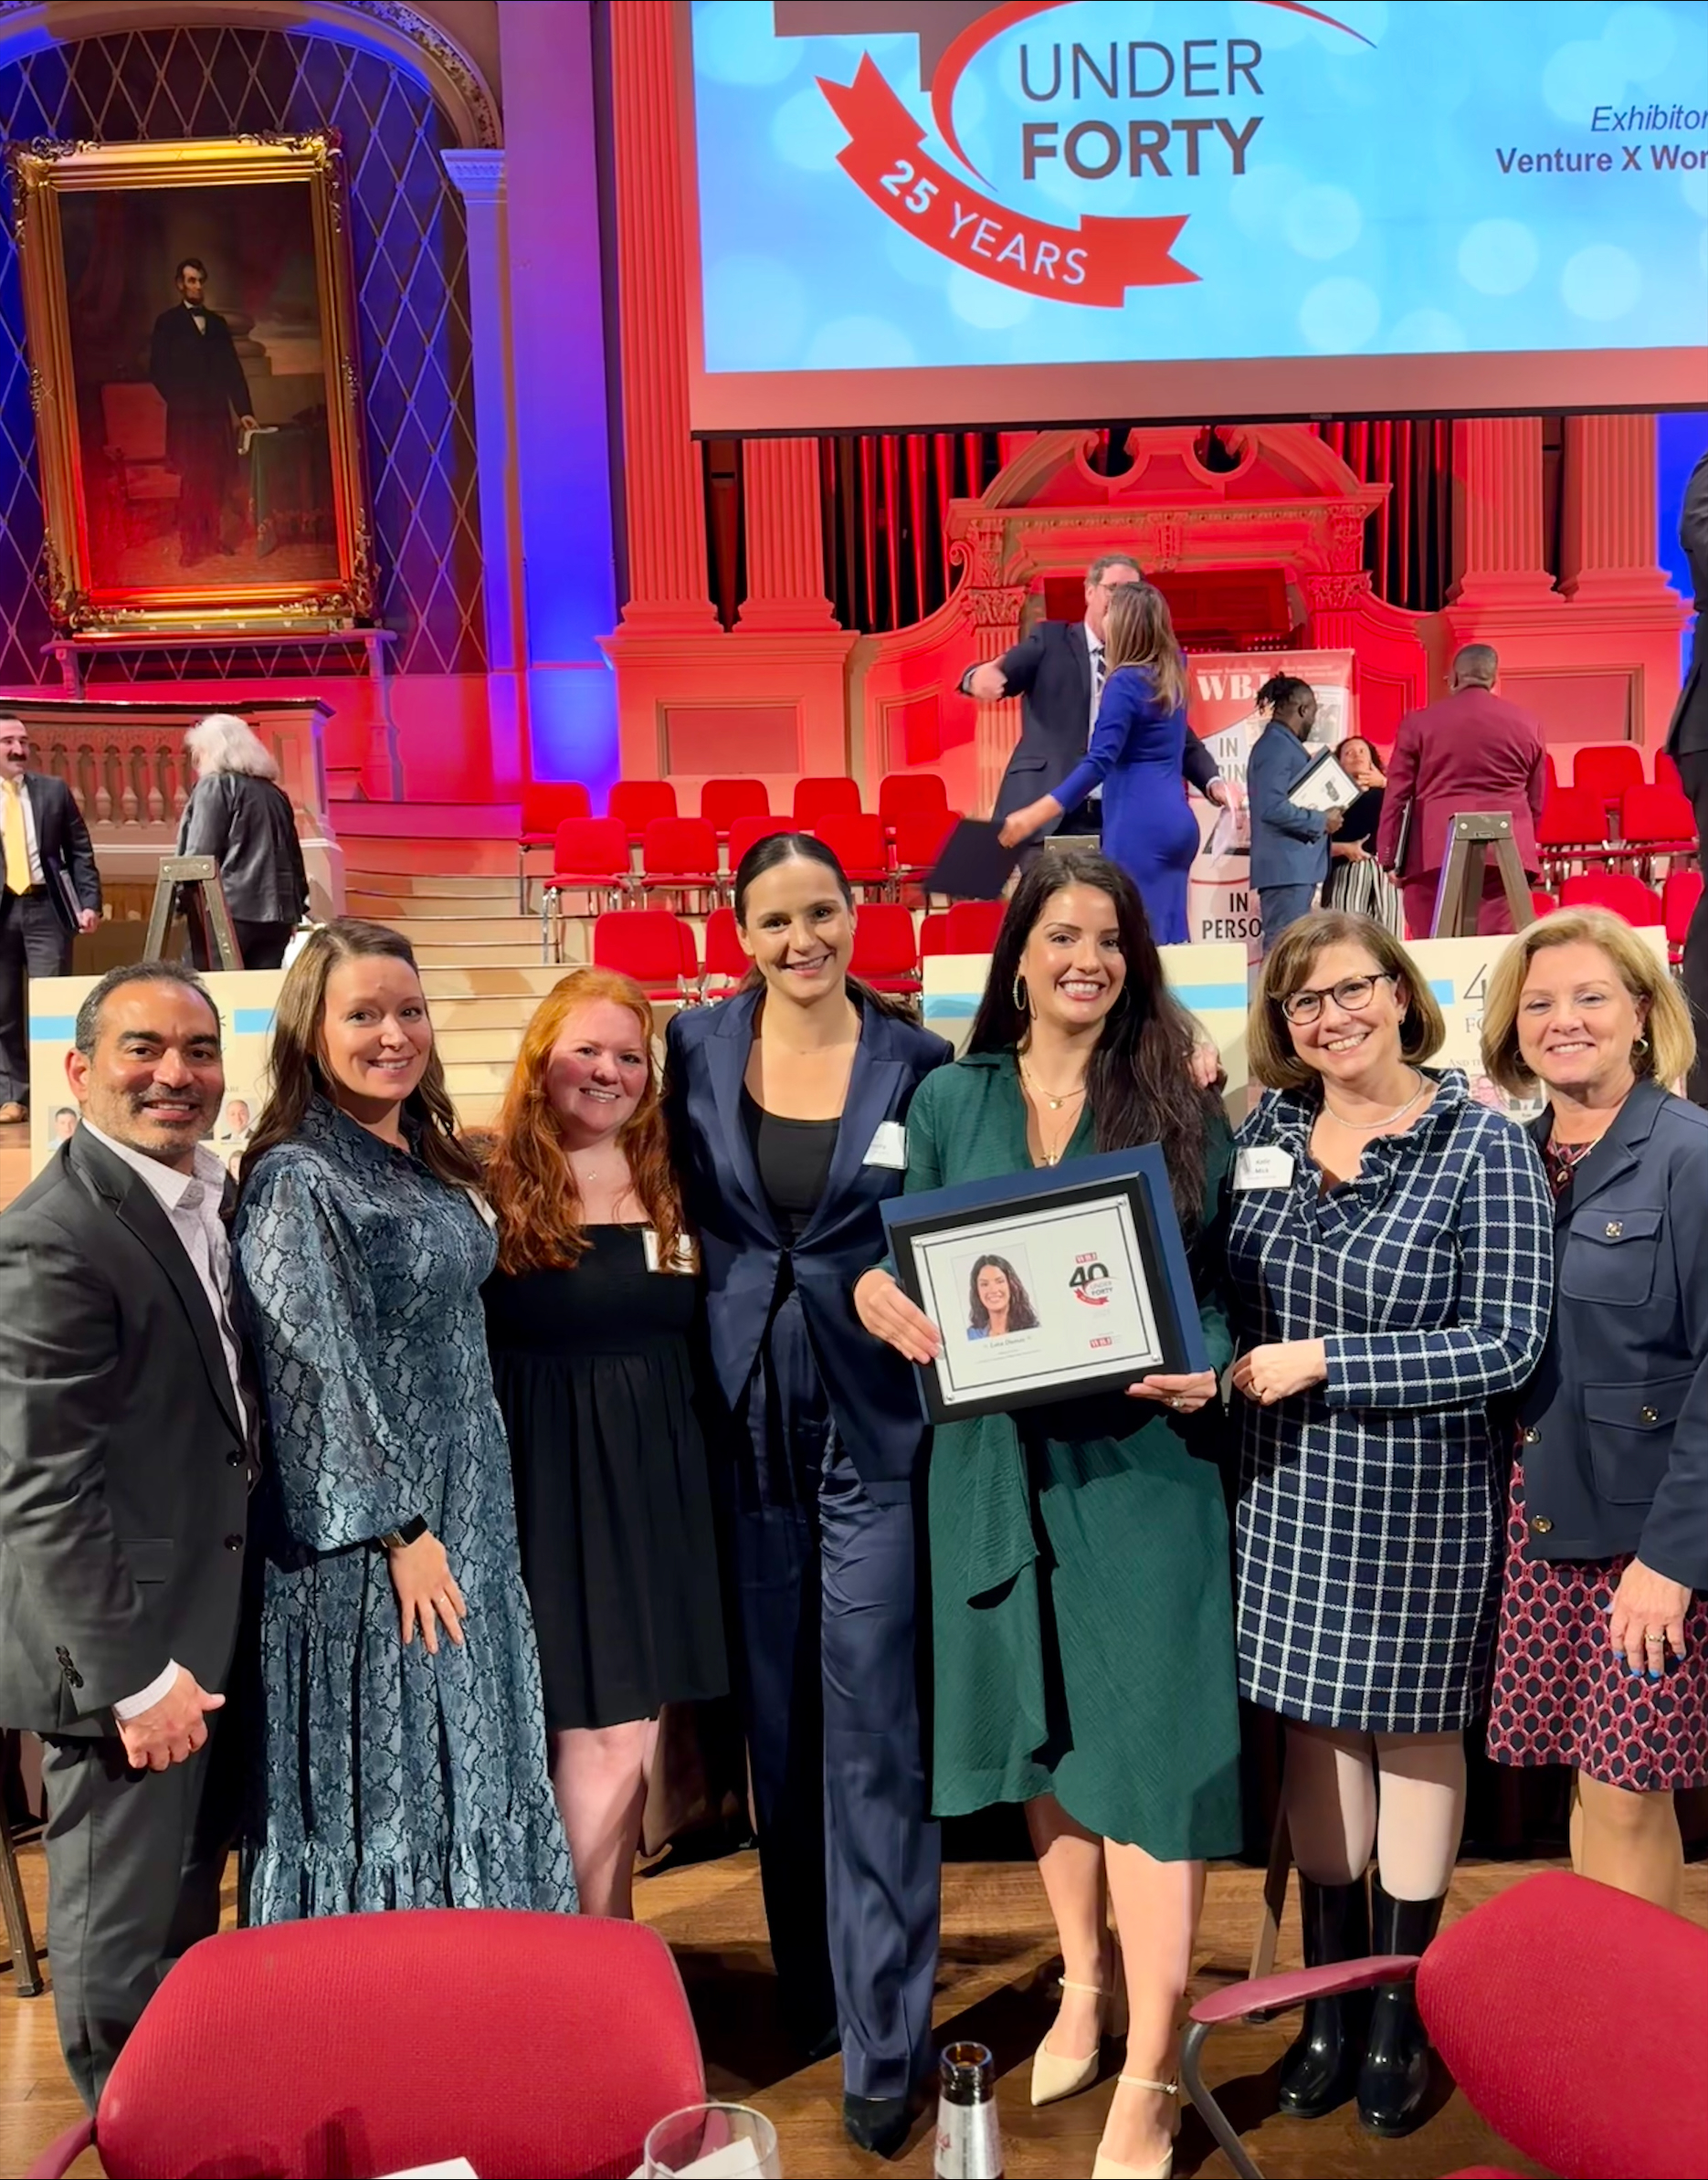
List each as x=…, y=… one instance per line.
x=179, y=874
x=1459, y=896
x=20, y=1940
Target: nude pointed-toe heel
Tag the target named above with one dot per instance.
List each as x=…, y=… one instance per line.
x=1104, y=2167
x=1054, y=2077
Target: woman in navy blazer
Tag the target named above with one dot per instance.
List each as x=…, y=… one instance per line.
x=788, y=1108
x=1602, y=1658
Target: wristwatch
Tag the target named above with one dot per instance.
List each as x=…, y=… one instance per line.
x=394, y=1540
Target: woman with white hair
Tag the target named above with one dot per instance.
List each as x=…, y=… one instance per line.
x=238, y=813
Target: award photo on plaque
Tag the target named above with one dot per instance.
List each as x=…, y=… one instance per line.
x=1050, y=1286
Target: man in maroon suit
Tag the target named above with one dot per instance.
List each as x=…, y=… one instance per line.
x=1473, y=750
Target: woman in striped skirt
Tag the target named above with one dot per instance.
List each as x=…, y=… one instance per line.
x=1356, y=881
x=1391, y=1270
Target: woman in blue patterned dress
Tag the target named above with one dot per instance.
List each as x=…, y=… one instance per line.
x=1391, y=1259
x=402, y=1762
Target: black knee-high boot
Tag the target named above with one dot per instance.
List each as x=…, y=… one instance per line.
x=1395, y=2077
x=1322, y=2064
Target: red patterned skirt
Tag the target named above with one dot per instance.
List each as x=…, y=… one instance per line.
x=1562, y=1697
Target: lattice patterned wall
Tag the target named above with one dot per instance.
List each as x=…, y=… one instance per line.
x=412, y=288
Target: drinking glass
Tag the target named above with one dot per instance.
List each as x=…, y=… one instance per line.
x=731, y=2141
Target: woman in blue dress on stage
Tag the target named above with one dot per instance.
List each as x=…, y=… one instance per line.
x=1149, y=827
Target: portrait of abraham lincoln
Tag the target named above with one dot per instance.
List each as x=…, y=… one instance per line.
x=198, y=337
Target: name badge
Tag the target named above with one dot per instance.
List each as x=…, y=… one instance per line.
x=1263, y=1166
x=683, y=1259
x=889, y=1147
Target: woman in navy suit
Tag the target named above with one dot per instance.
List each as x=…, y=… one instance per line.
x=788, y=1107
x=1135, y=756
x=1601, y=1660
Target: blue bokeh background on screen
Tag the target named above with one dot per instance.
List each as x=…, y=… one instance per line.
x=1372, y=217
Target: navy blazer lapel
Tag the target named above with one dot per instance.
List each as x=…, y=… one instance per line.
x=136, y=1207
x=1619, y=1150
x=1080, y=650
x=872, y=1084
x=727, y=1050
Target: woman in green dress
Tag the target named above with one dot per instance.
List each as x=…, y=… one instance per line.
x=1081, y=1611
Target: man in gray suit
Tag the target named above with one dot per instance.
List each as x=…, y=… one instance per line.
x=127, y=1449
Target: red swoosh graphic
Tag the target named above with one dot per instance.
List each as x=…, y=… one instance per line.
x=979, y=34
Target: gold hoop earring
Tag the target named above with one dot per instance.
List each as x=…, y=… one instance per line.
x=1020, y=995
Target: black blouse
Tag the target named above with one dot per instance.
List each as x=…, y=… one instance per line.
x=794, y=1162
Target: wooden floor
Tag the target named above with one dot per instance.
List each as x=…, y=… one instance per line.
x=997, y=1957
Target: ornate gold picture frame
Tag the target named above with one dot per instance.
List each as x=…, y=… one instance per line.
x=170, y=510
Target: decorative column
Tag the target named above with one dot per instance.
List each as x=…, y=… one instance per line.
x=478, y=177
x=781, y=503
x=994, y=607
x=1610, y=526
x=1498, y=554
x=667, y=585
x=560, y=489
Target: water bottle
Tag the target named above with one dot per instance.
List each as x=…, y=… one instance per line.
x=969, y=2145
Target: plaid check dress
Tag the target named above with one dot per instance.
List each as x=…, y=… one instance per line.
x=1367, y=1531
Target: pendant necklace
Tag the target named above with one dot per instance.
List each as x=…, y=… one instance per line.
x=1054, y=1103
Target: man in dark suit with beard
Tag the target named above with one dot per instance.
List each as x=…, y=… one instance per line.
x=128, y=1436
x=1687, y=745
x=193, y=363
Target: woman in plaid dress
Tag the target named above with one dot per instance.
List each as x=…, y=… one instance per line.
x=1391, y=1266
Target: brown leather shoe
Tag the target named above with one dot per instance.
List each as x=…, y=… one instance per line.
x=12, y=1112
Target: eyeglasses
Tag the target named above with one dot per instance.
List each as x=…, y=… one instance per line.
x=1352, y=994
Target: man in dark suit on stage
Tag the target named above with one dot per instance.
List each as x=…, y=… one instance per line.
x=1687, y=745
x=50, y=890
x=128, y=1443
x=193, y=363
x=1057, y=672
x=1472, y=750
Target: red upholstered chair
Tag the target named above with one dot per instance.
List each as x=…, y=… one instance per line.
x=726, y=964
x=1679, y=896
x=1514, y=1996
x=648, y=944
x=1574, y=825
x=1544, y=903
x=857, y=843
x=911, y=794
x=974, y=925
x=933, y=935
x=1667, y=773
x=745, y=831
x=886, y=953
x=721, y=802
x=548, y=2044
x=545, y=806
x=1658, y=821
x=679, y=855
x=590, y=856
x=638, y=803
x=916, y=840
x=1607, y=768
x=829, y=795
x=1615, y=890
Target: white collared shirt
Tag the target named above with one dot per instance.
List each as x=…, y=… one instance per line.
x=191, y=1204
x=37, y=876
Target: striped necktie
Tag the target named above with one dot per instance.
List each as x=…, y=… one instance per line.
x=14, y=840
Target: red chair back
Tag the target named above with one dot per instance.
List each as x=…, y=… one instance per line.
x=857, y=843
x=886, y=953
x=974, y=925
x=933, y=935
x=825, y=796
x=726, y=964
x=745, y=831
x=912, y=794
x=721, y=802
x=1607, y=768
x=1667, y=773
x=590, y=847
x=1615, y=890
x=1657, y=814
x=303, y=2048
x=1679, y=896
x=647, y=945
x=1572, y=816
x=678, y=847
x=1544, y=903
x=546, y=803
x=919, y=836
x=638, y=802
x=1515, y=1997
